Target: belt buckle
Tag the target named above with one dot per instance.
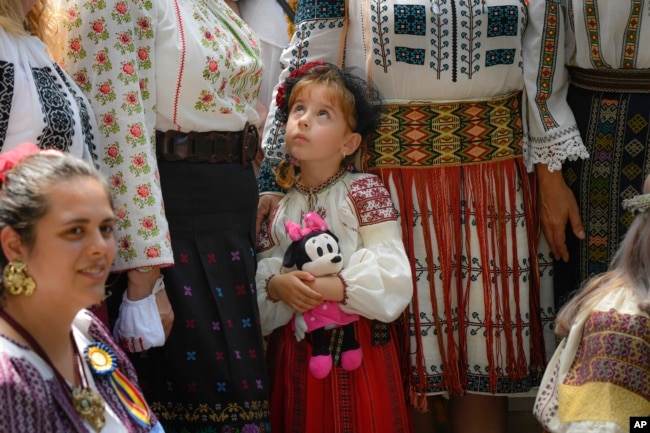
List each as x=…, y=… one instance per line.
x=201, y=147
x=250, y=141
x=174, y=145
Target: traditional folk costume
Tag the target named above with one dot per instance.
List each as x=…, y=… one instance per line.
x=175, y=85
x=451, y=151
x=32, y=399
x=370, y=399
x=598, y=377
x=39, y=102
x=601, y=43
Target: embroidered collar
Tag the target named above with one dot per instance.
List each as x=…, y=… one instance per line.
x=311, y=193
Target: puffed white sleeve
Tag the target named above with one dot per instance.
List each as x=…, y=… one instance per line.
x=378, y=276
x=138, y=326
x=273, y=314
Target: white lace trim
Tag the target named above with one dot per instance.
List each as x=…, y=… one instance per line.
x=554, y=149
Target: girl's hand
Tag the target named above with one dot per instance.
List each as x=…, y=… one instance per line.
x=291, y=289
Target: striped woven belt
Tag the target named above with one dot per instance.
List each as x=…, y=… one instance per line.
x=611, y=80
x=449, y=133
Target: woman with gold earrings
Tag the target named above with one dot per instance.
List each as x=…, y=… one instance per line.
x=60, y=370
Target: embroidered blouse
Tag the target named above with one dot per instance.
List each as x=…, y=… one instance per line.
x=32, y=399
x=39, y=103
x=359, y=211
x=594, y=34
x=431, y=50
x=598, y=376
x=156, y=65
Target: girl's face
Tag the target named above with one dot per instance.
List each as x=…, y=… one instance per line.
x=317, y=129
x=74, y=245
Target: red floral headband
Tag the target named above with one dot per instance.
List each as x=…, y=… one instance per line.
x=284, y=90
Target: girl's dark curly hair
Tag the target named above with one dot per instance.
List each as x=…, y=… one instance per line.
x=361, y=104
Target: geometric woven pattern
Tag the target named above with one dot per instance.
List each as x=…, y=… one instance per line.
x=615, y=346
x=425, y=135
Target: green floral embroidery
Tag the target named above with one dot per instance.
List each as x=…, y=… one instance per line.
x=125, y=248
x=139, y=165
x=102, y=63
x=211, y=71
x=121, y=13
x=131, y=104
x=124, y=43
x=118, y=187
x=144, y=30
x=143, y=196
x=123, y=220
x=73, y=19
x=144, y=89
x=81, y=78
x=206, y=101
x=94, y=6
x=144, y=60
x=113, y=156
x=127, y=73
x=105, y=92
x=108, y=125
x=76, y=50
x=136, y=137
x=99, y=32
x=149, y=227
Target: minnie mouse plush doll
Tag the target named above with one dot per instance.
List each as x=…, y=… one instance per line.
x=316, y=250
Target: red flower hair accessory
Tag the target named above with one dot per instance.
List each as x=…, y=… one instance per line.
x=284, y=90
x=10, y=158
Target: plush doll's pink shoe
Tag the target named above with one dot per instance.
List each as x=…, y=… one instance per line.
x=351, y=359
x=320, y=366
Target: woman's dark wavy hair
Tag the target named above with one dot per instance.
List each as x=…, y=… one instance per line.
x=361, y=103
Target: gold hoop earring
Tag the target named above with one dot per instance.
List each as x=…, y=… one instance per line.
x=16, y=280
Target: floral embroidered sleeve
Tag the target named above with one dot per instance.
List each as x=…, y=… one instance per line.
x=107, y=47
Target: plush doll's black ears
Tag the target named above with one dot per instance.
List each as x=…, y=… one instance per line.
x=291, y=255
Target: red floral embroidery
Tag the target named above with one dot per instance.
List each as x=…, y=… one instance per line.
x=152, y=252
x=135, y=131
x=143, y=191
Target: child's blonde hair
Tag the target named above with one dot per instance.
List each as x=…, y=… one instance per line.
x=630, y=268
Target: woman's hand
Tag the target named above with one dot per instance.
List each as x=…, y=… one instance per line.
x=291, y=289
x=557, y=207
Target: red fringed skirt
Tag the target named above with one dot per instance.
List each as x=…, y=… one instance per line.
x=370, y=399
x=482, y=284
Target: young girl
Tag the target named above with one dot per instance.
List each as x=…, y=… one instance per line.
x=329, y=113
x=598, y=378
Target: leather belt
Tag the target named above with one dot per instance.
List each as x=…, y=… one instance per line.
x=214, y=147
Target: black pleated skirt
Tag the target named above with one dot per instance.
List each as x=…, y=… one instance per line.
x=210, y=375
